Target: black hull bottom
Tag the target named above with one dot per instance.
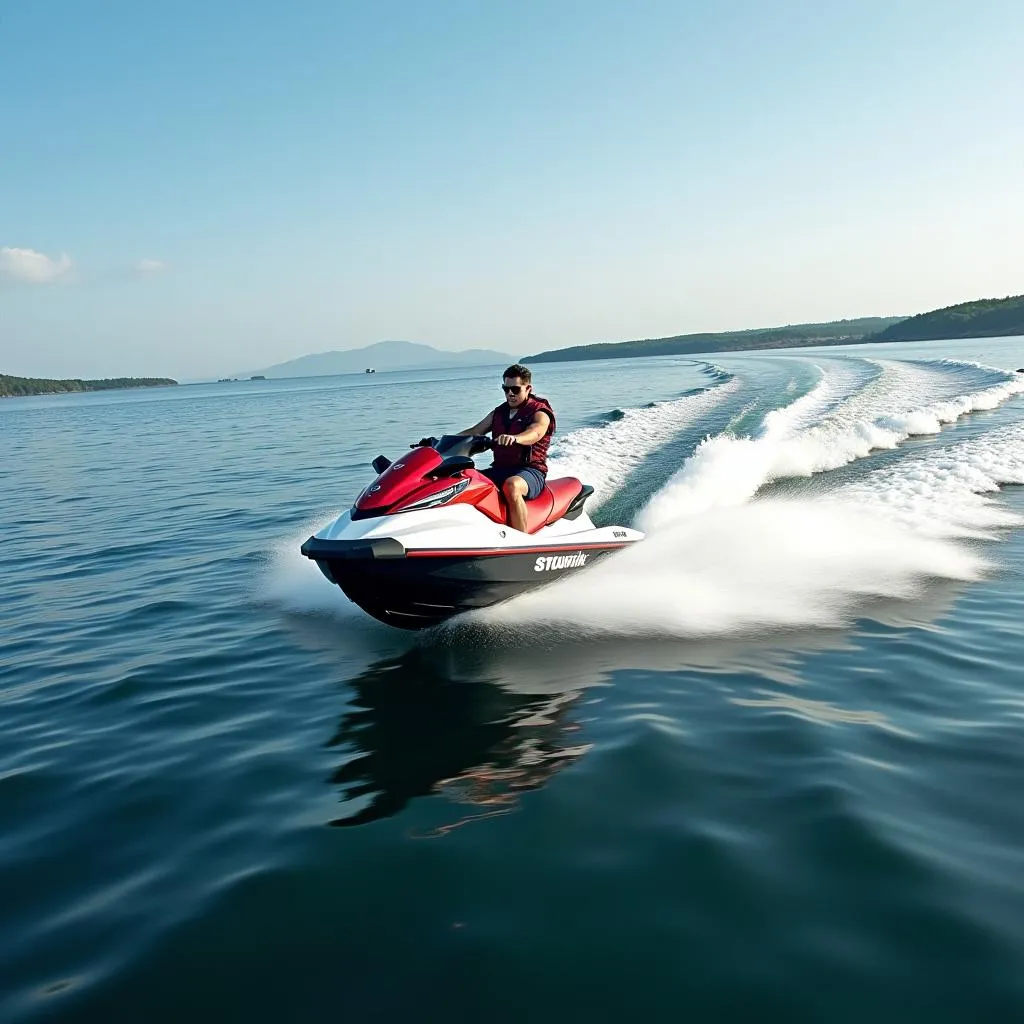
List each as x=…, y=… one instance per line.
x=418, y=591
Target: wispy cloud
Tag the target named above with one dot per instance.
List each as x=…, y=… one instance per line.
x=149, y=266
x=32, y=267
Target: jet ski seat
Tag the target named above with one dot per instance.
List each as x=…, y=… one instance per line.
x=563, y=497
x=552, y=503
x=539, y=510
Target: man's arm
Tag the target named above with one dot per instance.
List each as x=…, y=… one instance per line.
x=481, y=428
x=532, y=434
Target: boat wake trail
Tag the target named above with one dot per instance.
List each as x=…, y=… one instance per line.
x=946, y=491
x=727, y=470
x=717, y=563
x=604, y=456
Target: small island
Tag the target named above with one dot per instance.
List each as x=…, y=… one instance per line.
x=13, y=387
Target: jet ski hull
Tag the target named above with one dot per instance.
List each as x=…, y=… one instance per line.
x=420, y=587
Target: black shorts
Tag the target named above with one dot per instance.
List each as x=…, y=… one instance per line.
x=534, y=478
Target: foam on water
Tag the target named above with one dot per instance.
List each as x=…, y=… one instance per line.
x=727, y=470
x=948, y=491
x=896, y=382
x=604, y=456
x=834, y=385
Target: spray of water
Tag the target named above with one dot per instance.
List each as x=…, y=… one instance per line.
x=766, y=565
x=295, y=584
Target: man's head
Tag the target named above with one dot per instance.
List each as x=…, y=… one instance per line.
x=516, y=383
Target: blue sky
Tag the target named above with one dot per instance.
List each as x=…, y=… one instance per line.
x=203, y=188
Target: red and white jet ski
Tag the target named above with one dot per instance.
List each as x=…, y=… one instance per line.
x=429, y=538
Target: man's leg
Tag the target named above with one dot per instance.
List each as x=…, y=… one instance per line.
x=515, y=490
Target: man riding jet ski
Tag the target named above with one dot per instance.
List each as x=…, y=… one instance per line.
x=434, y=536
x=522, y=428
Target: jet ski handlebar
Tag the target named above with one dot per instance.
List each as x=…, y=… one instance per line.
x=480, y=443
x=456, y=444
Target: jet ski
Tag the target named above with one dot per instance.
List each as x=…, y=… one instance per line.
x=429, y=537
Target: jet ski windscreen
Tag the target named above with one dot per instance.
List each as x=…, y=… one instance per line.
x=459, y=444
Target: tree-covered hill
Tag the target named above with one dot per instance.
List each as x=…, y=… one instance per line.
x=838, y=332
x=13, y=386
x=981, y=318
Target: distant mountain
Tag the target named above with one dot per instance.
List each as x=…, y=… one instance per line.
x=837, y=332
x=982, y=318
x=384, y=355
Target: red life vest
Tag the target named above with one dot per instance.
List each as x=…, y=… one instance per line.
x=516, y=455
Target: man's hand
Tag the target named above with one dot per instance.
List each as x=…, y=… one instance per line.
x=506, y=439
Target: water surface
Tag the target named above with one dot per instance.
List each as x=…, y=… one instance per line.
x=767, y=763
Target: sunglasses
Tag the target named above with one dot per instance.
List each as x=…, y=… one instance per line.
x=512, y=389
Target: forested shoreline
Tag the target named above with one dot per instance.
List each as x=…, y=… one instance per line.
x=13, y=387
x=838, y=332
x=979, y=318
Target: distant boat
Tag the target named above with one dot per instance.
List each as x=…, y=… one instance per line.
x=369, y=369
x=257, y=376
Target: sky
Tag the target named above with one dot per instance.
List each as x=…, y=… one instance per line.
x=198, y=189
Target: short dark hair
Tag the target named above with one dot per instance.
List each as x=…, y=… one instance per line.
x=520, y=371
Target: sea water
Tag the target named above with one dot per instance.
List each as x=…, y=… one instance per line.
x=766, y=764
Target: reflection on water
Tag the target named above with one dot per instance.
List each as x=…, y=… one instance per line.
x=411, y=731
x=481, y=715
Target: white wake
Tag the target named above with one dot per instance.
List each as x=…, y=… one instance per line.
x=727, y=470
x=717, y=563
x=604, y=456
